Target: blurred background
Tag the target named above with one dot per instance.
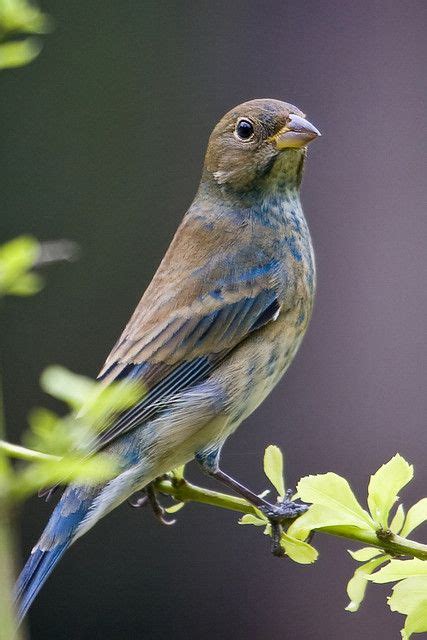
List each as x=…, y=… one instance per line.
x=102, y=140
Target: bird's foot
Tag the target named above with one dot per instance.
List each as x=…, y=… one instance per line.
x=286, y=510
x=149, y=497
x=278, y=515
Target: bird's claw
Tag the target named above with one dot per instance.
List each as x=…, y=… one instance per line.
x=278, y=514
x=157, y=508
x=138, y=500
x=286, y=510
x=148, y=496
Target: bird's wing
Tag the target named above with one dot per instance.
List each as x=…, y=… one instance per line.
x=189, y=318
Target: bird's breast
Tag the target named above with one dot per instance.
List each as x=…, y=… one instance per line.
x=258, y=363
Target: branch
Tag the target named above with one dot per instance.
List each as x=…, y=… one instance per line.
x=22, y=453
x=184, y=491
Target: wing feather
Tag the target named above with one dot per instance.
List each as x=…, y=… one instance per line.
x=187, y=321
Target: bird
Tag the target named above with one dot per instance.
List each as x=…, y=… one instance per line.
x=215, y=330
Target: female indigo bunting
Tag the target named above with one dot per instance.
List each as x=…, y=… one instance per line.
x=216, y=329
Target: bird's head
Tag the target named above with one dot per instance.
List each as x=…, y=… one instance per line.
x=259, y=144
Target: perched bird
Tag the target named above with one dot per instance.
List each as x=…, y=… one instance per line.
x=215, y=330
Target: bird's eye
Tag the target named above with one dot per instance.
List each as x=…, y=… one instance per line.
x=244, y=129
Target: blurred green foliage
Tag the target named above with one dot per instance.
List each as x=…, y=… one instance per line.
x=67, y=439
x=17, y=258
x=21, y=24
x=91, y=405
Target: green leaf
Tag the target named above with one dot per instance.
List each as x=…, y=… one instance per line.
x=175, y=507
x=416, y=622
x=356, y=587
x=408, y=593
x=67, y=386
x=365, y=554
x=400, y=569
x=23, y=17
x=17, y=257
x=416, y=515
x=333, y=492
x=398, y=520
x=72, y=469
x=319, y=516
x=297, y=550
x=178, y=473
x=26, y=285
x=384, y=487
x=105, y=402
x=273, y=468
x=248, y=518
x=18, y=53
x=49, y=433
x=19, y=254
x=96, y=402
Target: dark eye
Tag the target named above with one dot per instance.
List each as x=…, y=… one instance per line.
x=244, y=129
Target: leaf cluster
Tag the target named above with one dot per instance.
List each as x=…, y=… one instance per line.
x=20, y=25
x=335, y=509
x=67, y=439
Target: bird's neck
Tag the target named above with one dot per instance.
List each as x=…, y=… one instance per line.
x=275, y=204
x=280, y=183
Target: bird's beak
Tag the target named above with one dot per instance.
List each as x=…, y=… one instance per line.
x=297, y=133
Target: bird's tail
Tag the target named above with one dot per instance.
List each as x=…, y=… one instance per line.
x=59, y=534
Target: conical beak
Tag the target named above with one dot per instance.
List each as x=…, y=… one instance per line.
x=297, y=133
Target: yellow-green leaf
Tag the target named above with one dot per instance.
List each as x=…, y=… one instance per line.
x=178, y=472
x=248, y=518
x=23, y=16
x=175, y=507
x=17, y=257
x=334, y=493
x=408, y=593
x=365, y=554
x=416, y=622
x=26, y=285
x=273, y=468
x=356, y=586
x=47, y=473
x=416, y=515
x=400, y=569
x=18, y=53
x=95, y=401
x=299, y=551
x=319, y=516
x=67, y=386
x=385, y=485
x=398, y=519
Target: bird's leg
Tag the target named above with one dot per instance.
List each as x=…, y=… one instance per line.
x=149, y=496
x=277, y=513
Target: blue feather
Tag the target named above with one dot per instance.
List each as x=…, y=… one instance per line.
x=57, y=537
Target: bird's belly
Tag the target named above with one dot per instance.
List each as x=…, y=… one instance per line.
x=258, y=364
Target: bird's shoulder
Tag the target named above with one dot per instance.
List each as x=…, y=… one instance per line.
x=215, y=267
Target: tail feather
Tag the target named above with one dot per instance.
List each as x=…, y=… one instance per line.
x=59, y=534
x=33, y=576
